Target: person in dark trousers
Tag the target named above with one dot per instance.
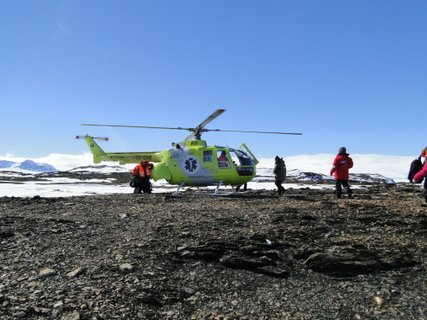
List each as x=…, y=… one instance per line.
x=245, y=187
x=143, y=171
x=342, y=163
x=415, y=167
x=422, y=174
x=279, y=174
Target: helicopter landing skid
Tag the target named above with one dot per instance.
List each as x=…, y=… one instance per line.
x=218, y=193
x=179, y=188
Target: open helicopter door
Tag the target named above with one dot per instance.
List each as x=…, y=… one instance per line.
x=244, y=161
x=245, y=148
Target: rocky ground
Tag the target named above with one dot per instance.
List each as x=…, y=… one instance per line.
x=305, y=255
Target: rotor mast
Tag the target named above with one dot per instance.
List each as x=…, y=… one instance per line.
x=197, y=132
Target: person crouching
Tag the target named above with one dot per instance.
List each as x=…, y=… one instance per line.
x=342, y=163
x=143, y=171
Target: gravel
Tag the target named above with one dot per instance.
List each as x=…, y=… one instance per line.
x=304, y=255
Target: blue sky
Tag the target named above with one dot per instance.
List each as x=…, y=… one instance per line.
x=350, y=73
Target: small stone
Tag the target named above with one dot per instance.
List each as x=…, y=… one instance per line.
x=188, y=290
x=33, y=284
x=46, y=272
x=126, y=267
x=75, y=315
x=41, y=310
x=20, y=314
x=379, y=301
x=75, y=272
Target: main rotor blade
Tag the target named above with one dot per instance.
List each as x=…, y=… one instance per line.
x=200, y=128
x=136, y=127
x=253, y=131
x=210, y=118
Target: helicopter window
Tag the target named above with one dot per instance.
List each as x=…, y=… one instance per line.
x=207, y=156
x=243, y=163
x=222, y=159
x=235, y=158
x=244, y=158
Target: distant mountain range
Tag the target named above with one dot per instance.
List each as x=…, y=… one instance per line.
x=27, y=165
x=263, y=174
x=266, y=174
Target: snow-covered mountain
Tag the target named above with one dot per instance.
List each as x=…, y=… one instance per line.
x=38, y=167
x=26, y=165
x=295, y=175
x=6, y=164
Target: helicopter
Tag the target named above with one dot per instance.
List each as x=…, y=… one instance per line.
x=191, y=162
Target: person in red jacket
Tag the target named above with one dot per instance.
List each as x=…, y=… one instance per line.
x=143, y=171
x=339, y=169
x=420, y=175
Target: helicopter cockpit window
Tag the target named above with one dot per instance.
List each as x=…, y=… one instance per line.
x=222, y=159
x=243, y=162
x=207, y=156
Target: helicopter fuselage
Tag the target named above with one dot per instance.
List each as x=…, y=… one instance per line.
x=196, y=164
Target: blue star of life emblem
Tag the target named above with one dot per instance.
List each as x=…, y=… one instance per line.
x=190, y=164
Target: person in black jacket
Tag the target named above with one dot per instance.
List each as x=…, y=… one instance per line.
x=279, y=174
x=416, y=166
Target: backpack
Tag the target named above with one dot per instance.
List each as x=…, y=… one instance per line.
x=135, y=181
x=416, y=166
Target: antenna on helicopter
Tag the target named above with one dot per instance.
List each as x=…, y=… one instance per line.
x=195, y=132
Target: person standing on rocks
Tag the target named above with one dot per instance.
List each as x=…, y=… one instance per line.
x=245, y=187
x=342, y=163
x=422, y=174
x=279, y=174
x=416, y=166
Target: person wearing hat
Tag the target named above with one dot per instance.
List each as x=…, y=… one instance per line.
x=422, y=174
x=342, y=163
x=279, y=174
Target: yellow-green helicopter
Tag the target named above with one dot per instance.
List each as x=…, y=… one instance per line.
x=191, y=162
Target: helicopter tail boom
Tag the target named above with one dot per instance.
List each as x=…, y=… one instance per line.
x=122, y=157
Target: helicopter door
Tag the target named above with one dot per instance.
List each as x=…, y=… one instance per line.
x=243, y=163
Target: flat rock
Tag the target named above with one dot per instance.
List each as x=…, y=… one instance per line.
x=46, y=272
